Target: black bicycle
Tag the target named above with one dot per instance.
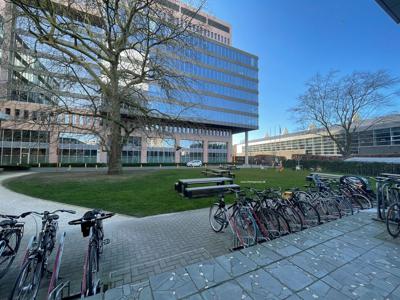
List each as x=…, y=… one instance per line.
x=36, y=258
x=11, y=232
x=92, y=224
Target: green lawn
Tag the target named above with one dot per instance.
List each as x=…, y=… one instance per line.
x=138, y=193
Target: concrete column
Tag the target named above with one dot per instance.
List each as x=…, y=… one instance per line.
x=246, y=146
x=177, y=153
x=53, y=147
x=143, y=150
x=229, y=150
x=205, y=151
x=102, y=156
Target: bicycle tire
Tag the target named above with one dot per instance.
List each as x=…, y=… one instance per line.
x=246, y=225
x=217, y=214
x=362, y=200
x=7, y=260
x=34, y=266
x=292, y=217
x=309, y=212
x=393, y=219
x=93, y=270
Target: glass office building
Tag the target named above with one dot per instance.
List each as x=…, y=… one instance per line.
x=220, y=98
x=375, y=138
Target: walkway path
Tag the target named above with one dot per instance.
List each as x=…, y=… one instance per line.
x=139, y=248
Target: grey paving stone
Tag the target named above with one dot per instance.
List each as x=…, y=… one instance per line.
x=230, y=290
x=207, y=274
x=140, y=291
x=261, y=285
x=290, y=275
x=361, y=241
x=313, y=264
x=302, y=241
x=194, y=297
x=384, y=257
x=320, y=290
x=395, y=294
x=334, y=257
x=236, y=263
x=172, y=285
x=282, y=247
x=360, y=280
x=262, y=256
x=345, y=248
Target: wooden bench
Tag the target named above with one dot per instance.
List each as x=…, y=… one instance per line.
x=182, y=184
x=204, y=191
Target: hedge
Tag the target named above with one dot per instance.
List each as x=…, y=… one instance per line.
x=15, y=168
x=339, y=166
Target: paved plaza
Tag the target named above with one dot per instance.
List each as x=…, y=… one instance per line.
x=178, y=256
x=352, y=258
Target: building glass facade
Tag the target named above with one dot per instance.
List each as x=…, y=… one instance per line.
x=219, y=98
x=380, y=139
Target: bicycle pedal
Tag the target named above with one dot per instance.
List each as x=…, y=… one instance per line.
x=106, y=241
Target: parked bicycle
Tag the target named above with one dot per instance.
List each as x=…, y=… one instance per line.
x=37, y=254
x=237, y=216
x=11, y=232
x=92, y=224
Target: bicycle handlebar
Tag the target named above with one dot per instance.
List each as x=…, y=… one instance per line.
x=25, y=214
x=98, y=216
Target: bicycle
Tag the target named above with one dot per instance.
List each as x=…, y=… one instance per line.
x=240, y=220
x=10, y=239
x=393, y=219
x=92, y=224
x=36, y=257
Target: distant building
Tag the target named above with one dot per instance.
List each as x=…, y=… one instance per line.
x=375, y=138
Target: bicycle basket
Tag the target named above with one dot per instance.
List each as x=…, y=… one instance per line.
x=288, y=195
x=85, y=228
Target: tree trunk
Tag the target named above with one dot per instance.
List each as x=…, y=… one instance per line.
x=115, y=137
x=114, y=155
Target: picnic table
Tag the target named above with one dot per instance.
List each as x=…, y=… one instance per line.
x=182, y=184
x=218, y=172
x=390, y=175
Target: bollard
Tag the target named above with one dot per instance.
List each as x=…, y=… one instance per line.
x=85, y=165
x=96, y=166
x=39, y=165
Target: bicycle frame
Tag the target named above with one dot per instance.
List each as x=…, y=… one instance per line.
x=54, y=291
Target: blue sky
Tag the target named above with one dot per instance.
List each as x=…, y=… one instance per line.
x=294, y=39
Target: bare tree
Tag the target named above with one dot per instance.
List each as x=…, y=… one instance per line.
x=111, y=58
x=340, y=106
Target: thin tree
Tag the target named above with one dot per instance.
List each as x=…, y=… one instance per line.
x=108, y=55
x=340, y=107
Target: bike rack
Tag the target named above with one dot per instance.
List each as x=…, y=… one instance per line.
x=383, y=185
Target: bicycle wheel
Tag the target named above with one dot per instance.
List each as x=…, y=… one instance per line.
x=12, y=241
x=269, y=221
x=293, y=218
x=393, y=219
x=331, y=209
x=310, y=214
x=217, y=217
x=93, y=270
x=27, y=284
x=361, y=201
x=345, y=205
x=246, y=226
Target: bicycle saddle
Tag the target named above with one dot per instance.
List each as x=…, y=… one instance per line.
x=5, y=223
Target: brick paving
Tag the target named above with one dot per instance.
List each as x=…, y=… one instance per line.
x=351, y=258
x=139, y=247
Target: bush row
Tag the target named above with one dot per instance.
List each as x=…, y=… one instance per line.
x=88, y=165
x=339, y=166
